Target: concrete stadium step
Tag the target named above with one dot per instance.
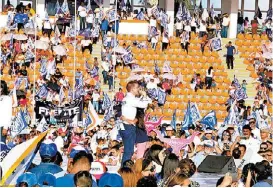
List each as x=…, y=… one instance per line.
x=239, y=71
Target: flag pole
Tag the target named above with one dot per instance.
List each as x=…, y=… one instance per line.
x=34, y=66
x=75, y=44
x=115, y=59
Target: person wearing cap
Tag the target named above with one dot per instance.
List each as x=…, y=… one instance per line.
x=48, y=151
x=129, y=111
x=170, y=132
x=81, y=162
x=59, y=141
x=111, y=180
x=27, y=180
x=151, y=84
x=254, y=130
x=47, y=180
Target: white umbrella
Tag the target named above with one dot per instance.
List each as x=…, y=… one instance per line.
x=41, y=45
x=138, y=70
x=59, y=50
x=7, y=36
x=20, y=37
x=169, y=76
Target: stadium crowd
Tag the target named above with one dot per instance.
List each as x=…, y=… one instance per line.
x=131, y=147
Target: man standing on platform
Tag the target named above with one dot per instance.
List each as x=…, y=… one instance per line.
x=231, y=50
x=129, y=110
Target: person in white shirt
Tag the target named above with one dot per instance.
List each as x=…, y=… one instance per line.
x=209, y=76
x=24, y=46
x=255, y=131
x=129, y=111
x=45, y=38
x=152, y=21
x=202, y=29
x=96, y=97
x=179, y=27
x=154, y=41
x=90, y=20
x=59, y=141
x=47, y=28
x=225, y=25
x=82, y=14
x=86, y=44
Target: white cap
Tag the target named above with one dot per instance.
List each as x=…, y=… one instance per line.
x=169, y=128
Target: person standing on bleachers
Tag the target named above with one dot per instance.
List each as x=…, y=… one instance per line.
x=231, y=50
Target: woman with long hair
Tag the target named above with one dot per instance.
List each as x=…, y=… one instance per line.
x=156, y=154
x=143, y=167
x=225, y=141
x=129, y=177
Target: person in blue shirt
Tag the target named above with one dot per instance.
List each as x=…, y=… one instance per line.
x=104, y=27
x=48, y=151
x=81, y=162
x=231, y=50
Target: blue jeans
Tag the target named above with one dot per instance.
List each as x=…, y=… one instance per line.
x=82, y=23
x=96, y=105
x=89, y=25
x=224, y=31
x=128, y=138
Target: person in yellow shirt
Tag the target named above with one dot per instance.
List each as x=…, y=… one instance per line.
x=31, y=11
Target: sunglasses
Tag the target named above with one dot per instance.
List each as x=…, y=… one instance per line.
x=152, y=169
x=263, y=148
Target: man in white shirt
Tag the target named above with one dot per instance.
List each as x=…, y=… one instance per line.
x=96, y=97
x=90, y=20
x=225, y=25
x=129, y=111
x=151, y=84
x=59, y=141
x=82, y=13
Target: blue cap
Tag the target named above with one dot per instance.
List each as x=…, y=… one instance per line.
x=48, y=148
x=76, y=150
x=49, y=178
x=28, y=178
x=111, y=180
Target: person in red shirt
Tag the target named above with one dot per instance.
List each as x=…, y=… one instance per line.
x=119, y=96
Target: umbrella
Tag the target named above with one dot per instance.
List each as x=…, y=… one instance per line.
x=20, y=37
x=59, y=50
x=30, y=31
x=138, y=70
x=169, y=76
x=120, y=50
x=6, y=36
x=17, y=160
x=41, y=45
x=135, y=77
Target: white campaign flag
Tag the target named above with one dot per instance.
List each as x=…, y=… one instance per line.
x=5, y=110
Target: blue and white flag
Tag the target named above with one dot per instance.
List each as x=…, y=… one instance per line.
x=216, y=44
x=19, y=124
x=179, y=14
x=195, y=114
x=106, y=103
x=161, y=96
x=114, y=43
x=152, y=32
x=88, y=7
x=140, y=16
x=105, y=40
x=42, y=93
x=95, y=32
x=173, y=122
x=98, y=2
x=240, y=94
x=108, y=113
x=152, y=93
x=78, y=79
x=87, y=120
x=65, y=7
x=164, y=20
x=209, y=121
x=231, y=119
x=187, y=118
x=94, y=72
x=127, y=58
x=184, y=13
x=269, y=13
x=27, y=115
x=236, y=82
x=43, y=68
x=112, y=15
x=42, y=126
x=212, y=13
x=57, y=7
x=155, y=12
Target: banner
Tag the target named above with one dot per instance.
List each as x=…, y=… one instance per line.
x=62, y=114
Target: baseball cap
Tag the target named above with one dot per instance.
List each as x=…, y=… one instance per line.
x=208, y=131
x=76, y=150
x=48, y=148
x=28, y=178
x=111, y=180
x=47, y=178
x=97, y=169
